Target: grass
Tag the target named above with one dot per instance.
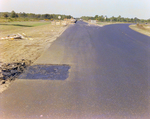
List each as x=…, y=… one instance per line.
x=15, y=19
x=141, y=28
x=15, y=27
x=41, y=35
x=24, y=24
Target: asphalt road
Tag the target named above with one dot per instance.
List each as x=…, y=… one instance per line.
x=107, y=76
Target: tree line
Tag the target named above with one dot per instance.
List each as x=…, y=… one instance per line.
x=13, y=14
x=115, y=19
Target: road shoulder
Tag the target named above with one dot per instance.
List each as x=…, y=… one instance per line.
x=143, y=29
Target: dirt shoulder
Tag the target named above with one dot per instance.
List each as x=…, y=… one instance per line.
x=41, y=38
x=141, y=28
x=13, y=51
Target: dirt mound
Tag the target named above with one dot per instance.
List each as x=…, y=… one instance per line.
x=10, y=71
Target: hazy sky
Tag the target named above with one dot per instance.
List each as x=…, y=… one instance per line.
x=78, y=8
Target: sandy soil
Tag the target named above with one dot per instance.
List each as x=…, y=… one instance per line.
x=16, y=50
x=141, y=28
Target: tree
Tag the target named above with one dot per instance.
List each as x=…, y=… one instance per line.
x=132, y=20
x=5, y=15
x=38, y=16
x=48, y=16
x=136, y=20
x=101, y=18
x=16, y=15
x=96, y=17
x=13, y=14
x=113, y=18
x=31, y=15
x=23, y=15
x=119, y=18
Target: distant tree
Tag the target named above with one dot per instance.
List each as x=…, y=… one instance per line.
x=69, y=17
x=119, y=18
x=96, y=17
x=17, y=15
x=23, y=14
x=92, y=18
x=132, y=20
x=13, y=14
x=5, y=15
x=101, y=18
x=127, y=20
x=38, y=16
x=136, y=20
x=113, y=18
x=51, y=16
x=31, y=15
x=46, y=16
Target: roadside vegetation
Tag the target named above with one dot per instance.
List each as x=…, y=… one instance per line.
x=13, y=16
x=115, y=19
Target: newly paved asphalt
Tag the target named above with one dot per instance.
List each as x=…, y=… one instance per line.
x=107, y=76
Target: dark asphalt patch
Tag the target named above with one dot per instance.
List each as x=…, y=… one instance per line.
x=46, y=72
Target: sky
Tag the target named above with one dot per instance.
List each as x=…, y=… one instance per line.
x=78, y=8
